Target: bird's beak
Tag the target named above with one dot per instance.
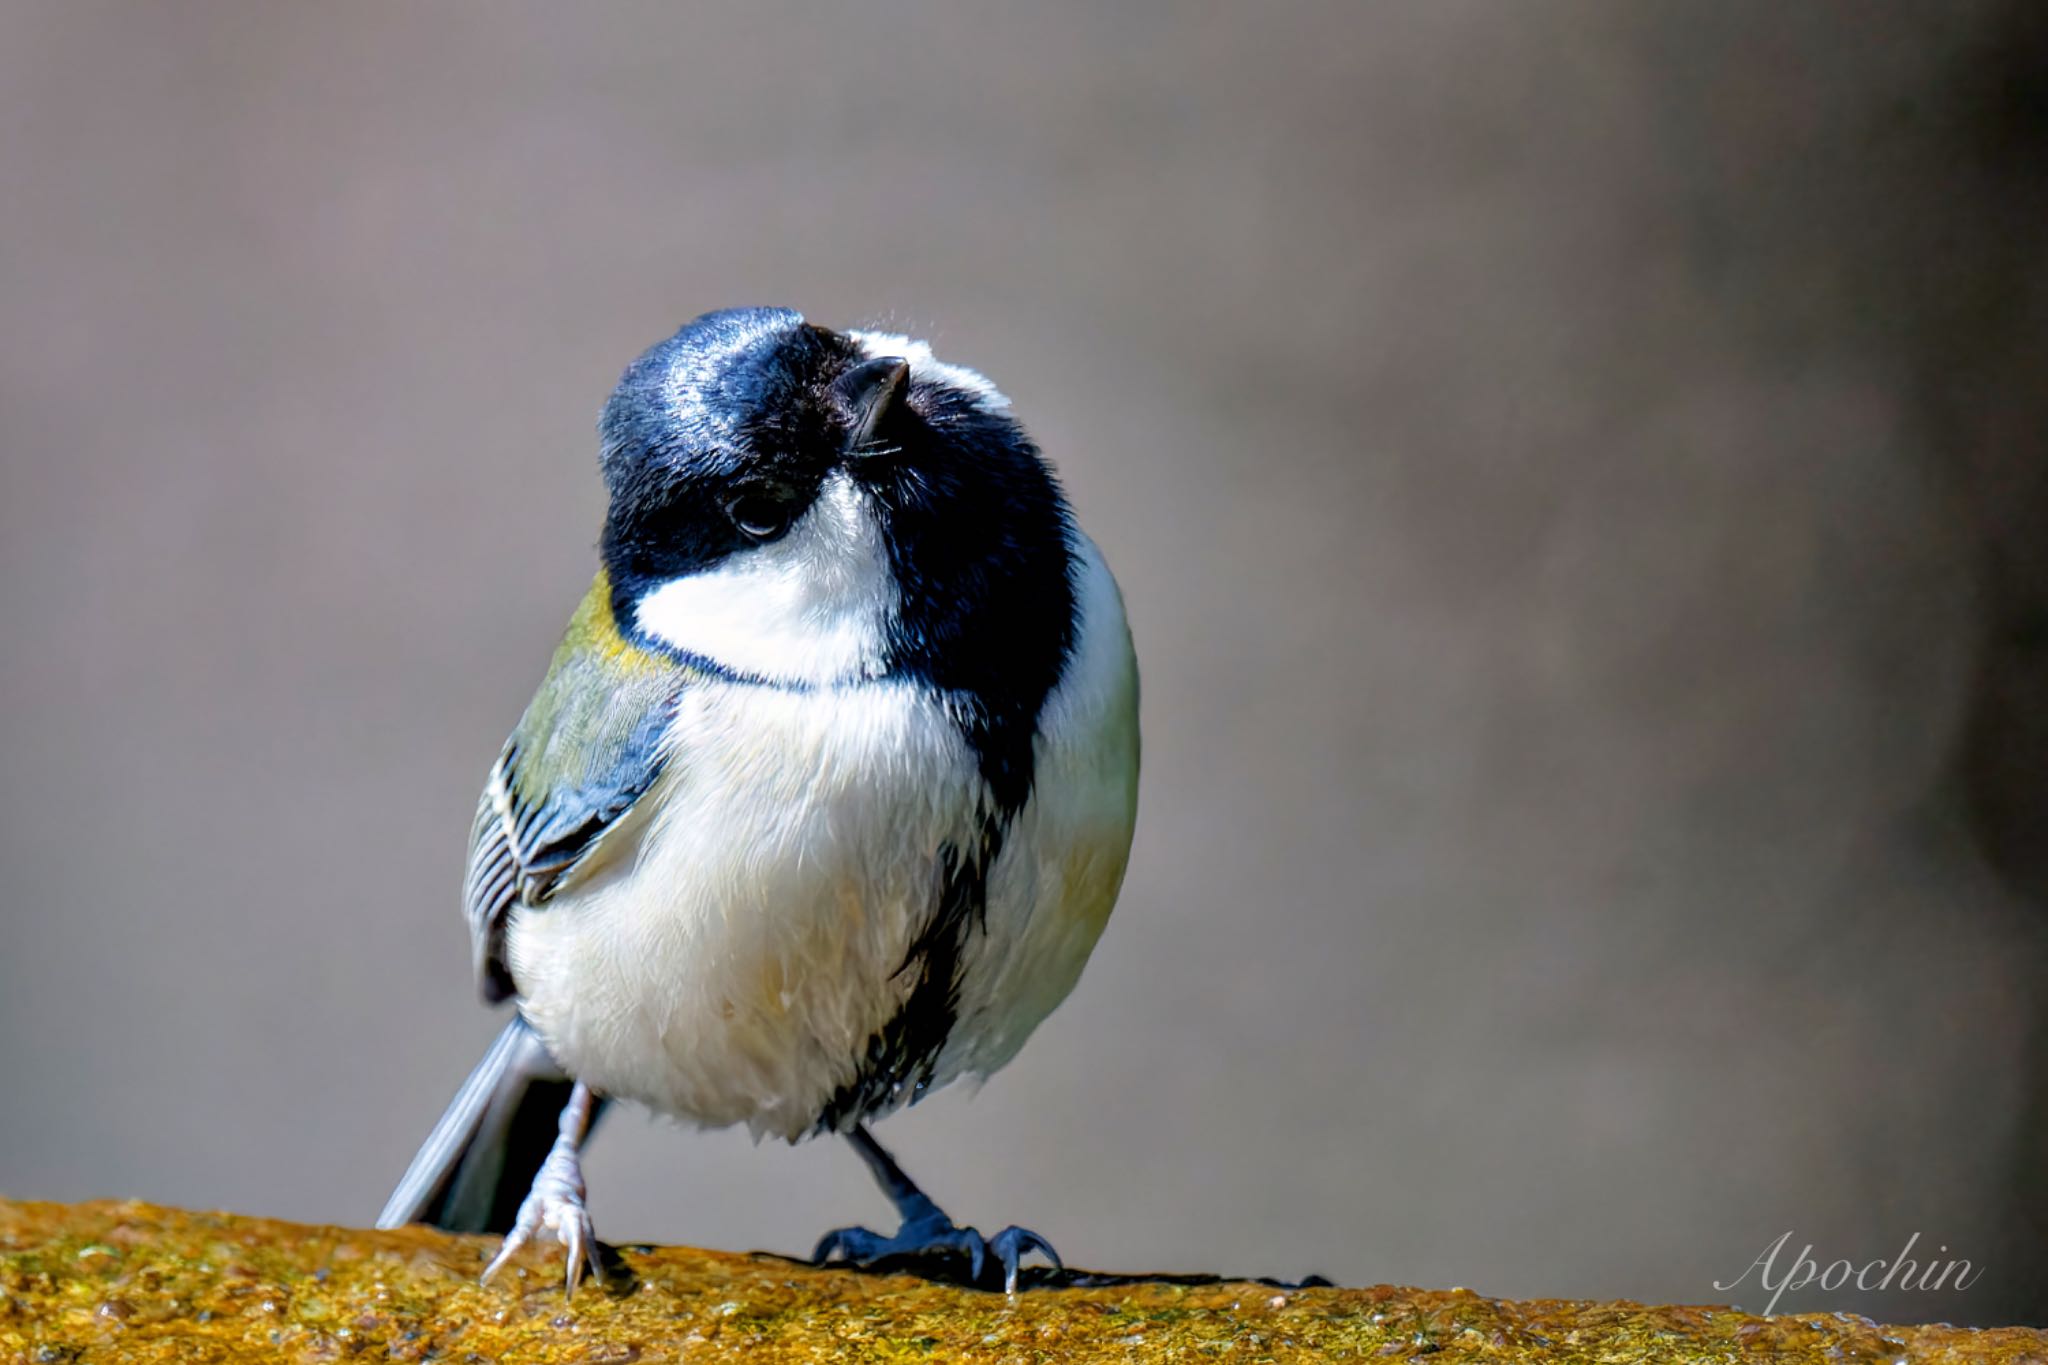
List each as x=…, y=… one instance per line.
x=867, y=392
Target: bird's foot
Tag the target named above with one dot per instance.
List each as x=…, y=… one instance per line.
x=555, y=1202
x=932, y=1236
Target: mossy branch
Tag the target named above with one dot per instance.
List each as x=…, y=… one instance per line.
x=120, y=1282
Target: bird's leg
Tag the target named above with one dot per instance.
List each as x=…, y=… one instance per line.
x=556, y=1199
x=926, y=1229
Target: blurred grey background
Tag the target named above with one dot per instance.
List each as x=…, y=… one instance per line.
x=1576, y=469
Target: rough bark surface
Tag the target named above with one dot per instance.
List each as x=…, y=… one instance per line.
x=135, y=1282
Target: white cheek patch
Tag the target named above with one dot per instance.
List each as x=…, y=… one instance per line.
x=813, y=607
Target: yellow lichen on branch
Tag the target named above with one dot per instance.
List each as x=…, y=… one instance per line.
x=121, y=1282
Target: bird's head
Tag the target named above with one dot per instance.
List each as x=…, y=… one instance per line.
x=808, y=507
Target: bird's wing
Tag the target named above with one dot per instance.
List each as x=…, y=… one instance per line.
x=591, y=744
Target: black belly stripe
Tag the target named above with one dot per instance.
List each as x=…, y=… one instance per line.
x=902, y=1056
x=980, y=545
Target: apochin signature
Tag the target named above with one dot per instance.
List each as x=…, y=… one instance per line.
x=1879, y=1274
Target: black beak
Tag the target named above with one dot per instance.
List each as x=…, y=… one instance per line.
x=866, y=393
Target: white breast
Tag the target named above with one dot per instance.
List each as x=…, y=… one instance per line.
x=735, y=968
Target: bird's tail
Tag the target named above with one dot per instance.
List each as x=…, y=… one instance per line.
x=480, y=1160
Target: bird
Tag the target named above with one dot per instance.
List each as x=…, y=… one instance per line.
x=824, y=799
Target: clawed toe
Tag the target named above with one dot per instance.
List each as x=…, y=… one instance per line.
x=572, y=1228
x=556, y=1200
x=1012, y=1245
x=557, y=1205
x=927, y=1235
x=857, y=1245
x=937, y=1242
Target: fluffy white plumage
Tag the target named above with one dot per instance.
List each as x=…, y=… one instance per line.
x=733, y=966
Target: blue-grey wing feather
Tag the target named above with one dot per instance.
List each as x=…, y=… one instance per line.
x=590, y=745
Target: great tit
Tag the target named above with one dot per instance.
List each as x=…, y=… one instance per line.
x=825, y=797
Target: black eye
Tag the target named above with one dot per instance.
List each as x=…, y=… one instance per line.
x=761, y=516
